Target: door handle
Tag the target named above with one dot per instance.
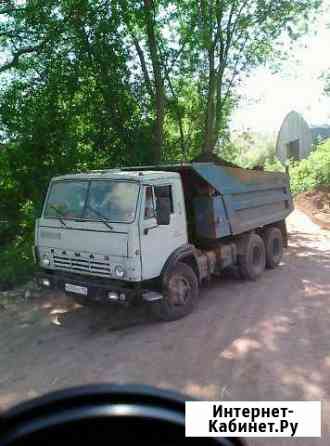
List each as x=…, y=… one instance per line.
x=146, y=230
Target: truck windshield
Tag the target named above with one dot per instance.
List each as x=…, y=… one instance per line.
x=93, y=200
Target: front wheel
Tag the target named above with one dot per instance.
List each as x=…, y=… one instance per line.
x=180, y=293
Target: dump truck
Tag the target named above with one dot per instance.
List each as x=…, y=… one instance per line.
x=156, y=234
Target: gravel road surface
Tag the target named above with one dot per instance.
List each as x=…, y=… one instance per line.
x=264, y=340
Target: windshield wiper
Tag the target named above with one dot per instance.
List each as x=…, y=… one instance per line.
x=102, y=217
x=59, y=213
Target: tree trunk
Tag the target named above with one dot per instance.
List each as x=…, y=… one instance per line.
x=208, y=145
x=219, y=104
x=159, y=97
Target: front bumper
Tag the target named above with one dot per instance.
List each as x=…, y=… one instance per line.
x=98, y=289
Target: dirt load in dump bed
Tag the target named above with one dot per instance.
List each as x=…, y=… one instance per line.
x=316, y=204
x=212, y=158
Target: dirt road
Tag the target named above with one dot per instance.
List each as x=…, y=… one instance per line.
x=268, y=340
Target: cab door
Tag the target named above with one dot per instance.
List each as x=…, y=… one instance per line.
x=158, y=242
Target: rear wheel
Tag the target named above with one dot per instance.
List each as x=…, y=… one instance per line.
x=252, y=261
x=274, y=246
x=180, y=292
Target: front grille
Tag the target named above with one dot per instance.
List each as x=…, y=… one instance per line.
x=90, y=263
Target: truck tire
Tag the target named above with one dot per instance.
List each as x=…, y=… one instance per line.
x=273, y=240
x=253, y=260
x=180, y=291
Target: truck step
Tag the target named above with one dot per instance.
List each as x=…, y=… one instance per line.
x=151, y=296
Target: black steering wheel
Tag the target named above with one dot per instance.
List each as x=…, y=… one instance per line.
x=102, y=414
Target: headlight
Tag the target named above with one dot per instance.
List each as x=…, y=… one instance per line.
x=45, y=261
x=119, y=271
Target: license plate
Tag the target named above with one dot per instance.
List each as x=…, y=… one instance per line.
x=76, y=289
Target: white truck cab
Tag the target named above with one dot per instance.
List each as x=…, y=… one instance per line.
x=120, y=226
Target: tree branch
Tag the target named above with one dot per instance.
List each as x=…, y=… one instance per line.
x=221, y=100
x=5, y=11
x=159, y=96
x=17, y=55
x=143, y=63
x=175, y=97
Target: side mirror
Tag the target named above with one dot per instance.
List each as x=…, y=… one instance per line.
x=163, y=211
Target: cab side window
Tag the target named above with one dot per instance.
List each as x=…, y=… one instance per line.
x=149, y=206
x=164, y=194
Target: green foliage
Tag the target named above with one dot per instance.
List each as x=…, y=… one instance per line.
x=16, y=235
x=84, y=86
x=312, y=172
x=253, y=149
x=224, y=40
x=16, y=263
x=273, y=165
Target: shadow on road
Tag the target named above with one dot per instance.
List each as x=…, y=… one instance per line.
x=264, y=340
x=94, y=319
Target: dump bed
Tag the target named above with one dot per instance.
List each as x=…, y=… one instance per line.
x=243, y=199
x=223, y=200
